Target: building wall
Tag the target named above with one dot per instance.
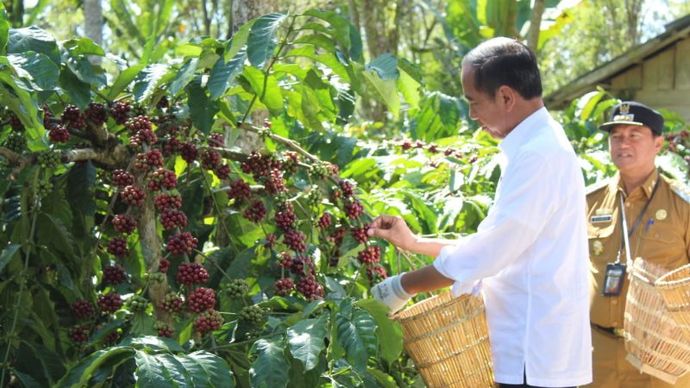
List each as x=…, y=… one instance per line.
x=660, y=81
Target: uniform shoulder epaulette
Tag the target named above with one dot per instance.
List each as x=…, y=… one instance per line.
x=681, y=189
x=597, y=186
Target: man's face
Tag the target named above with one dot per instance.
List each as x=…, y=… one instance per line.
x=486, y=110
x=633, y=148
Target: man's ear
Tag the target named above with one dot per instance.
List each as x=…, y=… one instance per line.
x=658, y=143
x=506, y=96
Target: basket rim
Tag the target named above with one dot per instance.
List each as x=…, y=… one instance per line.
x=663, y=282
x=453, y=300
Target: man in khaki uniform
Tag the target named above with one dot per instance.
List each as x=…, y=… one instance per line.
x=657, y=211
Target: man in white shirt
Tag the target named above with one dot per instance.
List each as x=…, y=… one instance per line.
x=530, y=253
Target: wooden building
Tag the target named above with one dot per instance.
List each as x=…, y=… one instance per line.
x=656, y=73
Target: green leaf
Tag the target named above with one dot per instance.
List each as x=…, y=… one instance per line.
x=150, y=372
x=153, y=342
x=21, y=102
x=33, y=39
x=356, y=333
x=8, y=254
x=271, y=96
x=223, y=74
x=79, y=92
x=270, y=369
x=306, y=339
x=261, y=40
x=26, y=380
x=409, y=88
x=202, y=110
x=78, y=376
x=385, y=66
x=123, y=79
x=388, y=332
x=177, y=372
x=83, y=46
x=84, y=69
x=385, y=90
x=148, y=79
x=184, y=76
x=52, y=231
x=238, y=42
x=207, y=369
x=342, y=31
x=38, y=68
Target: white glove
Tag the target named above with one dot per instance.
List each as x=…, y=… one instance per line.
x=391, y=293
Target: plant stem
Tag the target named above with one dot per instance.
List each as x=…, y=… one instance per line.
x=22, y=281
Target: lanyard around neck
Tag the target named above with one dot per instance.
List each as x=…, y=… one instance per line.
x=627, y=234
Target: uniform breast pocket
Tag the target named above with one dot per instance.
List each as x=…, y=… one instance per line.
x=662, y=244
x=602, y=242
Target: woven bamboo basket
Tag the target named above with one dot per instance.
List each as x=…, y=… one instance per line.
x=448, y=340
x=654, y=341
x=674, y=287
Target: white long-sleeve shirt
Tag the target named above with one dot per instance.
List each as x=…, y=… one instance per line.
x=531, y=256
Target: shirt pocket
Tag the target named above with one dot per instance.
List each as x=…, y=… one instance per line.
x=602, y=243
x=663, y=244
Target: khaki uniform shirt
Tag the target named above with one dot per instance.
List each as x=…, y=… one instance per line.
x=662, y=236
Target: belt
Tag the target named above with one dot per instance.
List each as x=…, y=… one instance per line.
x=612, y=331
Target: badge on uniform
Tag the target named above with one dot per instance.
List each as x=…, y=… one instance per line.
x=614, y=278
x=601, y=218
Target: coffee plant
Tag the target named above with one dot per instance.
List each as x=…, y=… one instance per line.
x=201, y=221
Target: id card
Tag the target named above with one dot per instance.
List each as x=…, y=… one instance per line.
x=613, y=281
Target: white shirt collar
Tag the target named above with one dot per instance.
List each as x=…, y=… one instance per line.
x=512, y=142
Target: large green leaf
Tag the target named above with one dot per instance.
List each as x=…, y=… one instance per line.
x=86, y=71
x=27, y=380
x=79, y=375
x=41, y=362
x=385, y=90
x=183, y=77
x=149, y=79
x=238, y=42
x=20, y=101
x=270, y=369
x=341, y=31
x=150, y=371
x=202, y=109
x=83, y=46
x=356, y=333
x=37, y=67
x=438, y=117
x=261, y=40
x=52, y=231
x=9, y=253
x=79, y=92
x=207, y=369
x=306, y=339
x=266, y=88
x=328, y=59
x=123, y=79
x=177, y=372
x=223, y=73
x=389, y=333
x=153, y=342
x=385, y=66
x=33, y=39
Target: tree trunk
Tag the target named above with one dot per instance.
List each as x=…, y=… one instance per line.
x=535, y=25
x=15, y=10
x=93, y=25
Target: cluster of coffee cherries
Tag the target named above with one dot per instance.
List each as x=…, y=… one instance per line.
x=434, y=149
